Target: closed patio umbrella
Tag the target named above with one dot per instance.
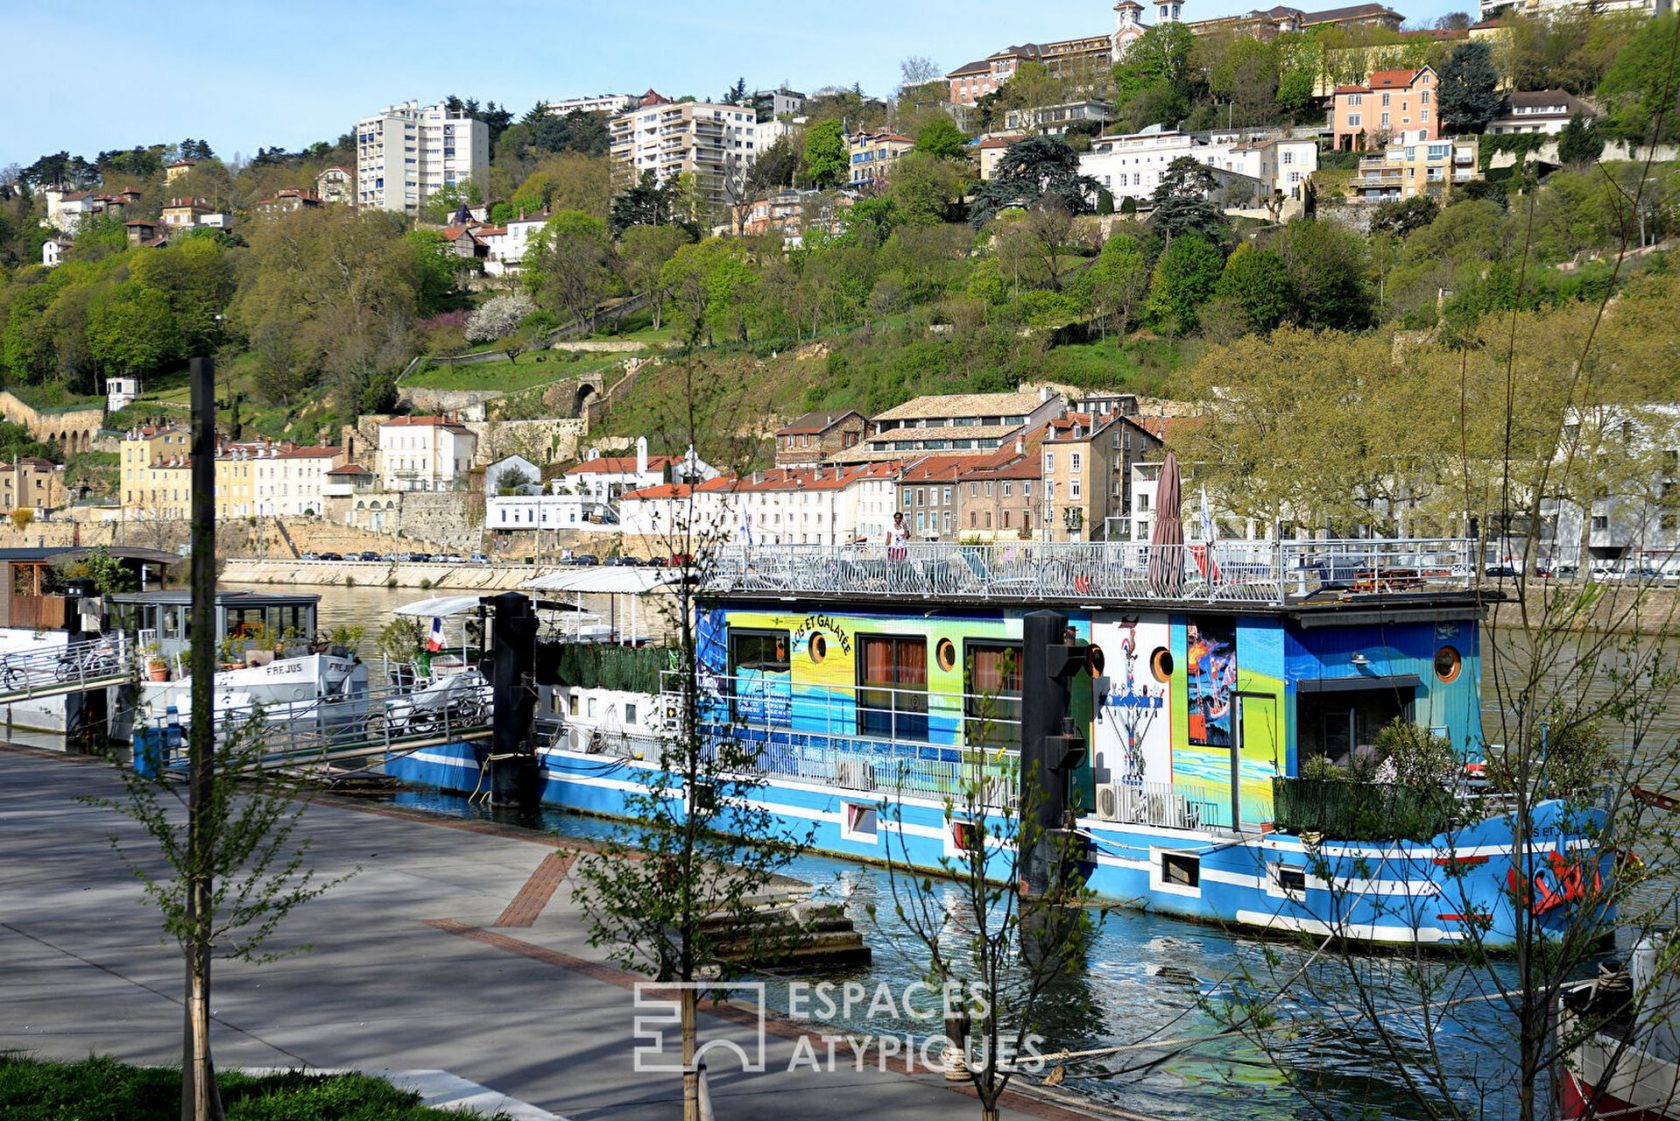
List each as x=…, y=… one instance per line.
x=1166, y=540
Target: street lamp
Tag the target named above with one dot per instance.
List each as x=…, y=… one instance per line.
x=1072, y=519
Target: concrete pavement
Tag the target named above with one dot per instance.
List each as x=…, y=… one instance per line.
x=409, y=969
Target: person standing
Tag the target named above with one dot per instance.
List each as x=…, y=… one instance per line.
x=898, y=538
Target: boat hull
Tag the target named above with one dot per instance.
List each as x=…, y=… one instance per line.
x=1442, y=892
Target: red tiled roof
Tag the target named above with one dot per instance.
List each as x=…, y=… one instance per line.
x=350, y=469
x=663, y=490
x=621, y=464
x=1394, y=79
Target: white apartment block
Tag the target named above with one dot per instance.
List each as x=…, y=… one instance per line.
x=424, y=453
x=1131, y=166
x=825, y=506
x=609, y=103
x=286, y=481
x=695, y=136
x=407, y=152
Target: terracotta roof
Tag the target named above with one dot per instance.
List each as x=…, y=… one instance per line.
x=424, y=422
x=820, y=420
x=950, y=405
x=1169, y=428
x=350, y=469
x=1394, y=79
x=945, y=468
x=1018, y=467
x=621, y=464
x=663, y=490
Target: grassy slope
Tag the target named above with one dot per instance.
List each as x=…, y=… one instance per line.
x=529, y=370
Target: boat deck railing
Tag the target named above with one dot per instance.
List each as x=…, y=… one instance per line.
x=1268, y=572
x=74, y=667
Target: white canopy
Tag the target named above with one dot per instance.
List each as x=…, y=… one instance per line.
x=439, y=607
x=605, y=579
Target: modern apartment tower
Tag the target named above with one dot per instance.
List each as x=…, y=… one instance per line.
x=407, y=152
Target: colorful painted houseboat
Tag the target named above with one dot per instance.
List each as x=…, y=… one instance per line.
x=874, y=688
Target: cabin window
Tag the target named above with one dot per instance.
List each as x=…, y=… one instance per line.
x=1180, y=870
x=862, y=822
x=992, y=684
x=629, y=713
x=1448, y=663
x=1290, y=880
x=892, y=687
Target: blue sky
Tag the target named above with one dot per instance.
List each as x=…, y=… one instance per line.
x=244, y=75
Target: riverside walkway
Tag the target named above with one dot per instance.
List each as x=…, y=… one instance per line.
x=457, y=947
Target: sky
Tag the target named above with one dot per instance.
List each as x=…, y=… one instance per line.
x=245, y=75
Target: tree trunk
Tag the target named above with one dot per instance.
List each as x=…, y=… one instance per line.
x=691, y=1077
x=200, y=1100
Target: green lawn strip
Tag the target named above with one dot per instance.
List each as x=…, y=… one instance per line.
x=102, y=1089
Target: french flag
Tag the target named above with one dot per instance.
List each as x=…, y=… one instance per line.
x=434, y=641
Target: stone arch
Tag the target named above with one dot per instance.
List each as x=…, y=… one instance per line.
x=585, y=391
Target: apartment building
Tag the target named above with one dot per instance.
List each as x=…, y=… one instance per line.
x=1392, y=102
x=608, y=103
x=818, y=436
x=872, y=154
x=1415, y=166
x=955, y=422
x=1131, y=166
x=425, y=453
x=1086, y=481
x=1054, y=120
x=32, y=483
x=154, y=477
x=287, y=480
x=407, y=152
x=927, y=493
x=669, y=138
x=998, y=503
x=825, y=506
x=336, y=186
x=776, y=104
x=1539, y=111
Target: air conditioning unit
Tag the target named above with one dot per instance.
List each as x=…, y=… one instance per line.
x=855, y=774
x=1108, y=802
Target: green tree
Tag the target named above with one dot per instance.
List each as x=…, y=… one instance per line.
x=434, y=269
x=1641, y=87
x=825, y=155
x=1467, y=96
x=1032, y=169
x=1579, y=142
x=1327, y=268
x=777, y=166
x=1118, y=282
x=1160, y=55
x=1182, y=206
x=942, y=139
x=133, y=330
x=569, y=267
x=197, y=276
x=1185, y=276
x=1401, y=216
x=925, y=189
x=1256, y=281
x=642, y=253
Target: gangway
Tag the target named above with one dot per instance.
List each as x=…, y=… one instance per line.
x=325, y=730
x=56, y=671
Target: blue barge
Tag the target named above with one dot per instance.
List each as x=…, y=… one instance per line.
x=875, y=689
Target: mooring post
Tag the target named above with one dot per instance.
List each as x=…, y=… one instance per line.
x=513, y=757
x=1050, y=747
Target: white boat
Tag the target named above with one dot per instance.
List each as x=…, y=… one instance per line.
x=1623, y=1043
x=266, y=642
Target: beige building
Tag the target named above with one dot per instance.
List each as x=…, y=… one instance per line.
x=406, y=153
x=872, y=154
x=714, y=142
x=154, y=477
x=999, y=503
x=1430, y=168
x=1086, y=478
x=31, y=483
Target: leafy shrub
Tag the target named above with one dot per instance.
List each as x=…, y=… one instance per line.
x=498, y=318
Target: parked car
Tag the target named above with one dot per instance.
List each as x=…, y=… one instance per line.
x=586, y=559
x=308, y=556
x=368, y=555
x=1501, y=570
x=623, y=560
x=330, y=557
x=478, y=558
x=420, y=558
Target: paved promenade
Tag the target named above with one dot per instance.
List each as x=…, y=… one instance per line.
x=455, y=948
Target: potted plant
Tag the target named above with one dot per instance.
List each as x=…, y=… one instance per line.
x=157, y=666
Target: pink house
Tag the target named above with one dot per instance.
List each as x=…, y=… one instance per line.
x=1390, y=103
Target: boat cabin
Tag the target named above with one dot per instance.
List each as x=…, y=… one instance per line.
x=164, y=618
x=1201, y=691
x=34, y=579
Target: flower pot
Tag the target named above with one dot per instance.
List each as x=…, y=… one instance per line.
x=157, y=670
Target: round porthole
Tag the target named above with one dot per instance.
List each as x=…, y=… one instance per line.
x=1448, y=663
x=1161, y=664
x=1094, y=660
x=818, y=647
x=946, y=652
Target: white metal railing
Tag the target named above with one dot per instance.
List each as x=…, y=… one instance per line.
x=1242, y=571
x=1167, y=805
x=97, y=660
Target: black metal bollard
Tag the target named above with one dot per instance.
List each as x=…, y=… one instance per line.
x=514, y=778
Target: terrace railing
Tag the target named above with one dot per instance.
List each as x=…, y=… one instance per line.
x=1094, y=572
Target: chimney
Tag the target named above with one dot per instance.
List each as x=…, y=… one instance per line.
x=1044, y=394
x=1020, y=446
x=641, y=455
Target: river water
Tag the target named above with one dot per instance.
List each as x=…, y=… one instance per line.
x=1148, y=977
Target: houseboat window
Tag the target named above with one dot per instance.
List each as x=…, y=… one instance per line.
x=818, y=647
x=1161, y=664
x=1448, y=663
x=1184, y=871
x=892, y=688
x=759, y=650
x=758, y=668
x=946, y=652
x=992, y=682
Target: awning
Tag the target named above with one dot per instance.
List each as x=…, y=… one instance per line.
x=1357, y=684
x=603, y=580
x=439, y=607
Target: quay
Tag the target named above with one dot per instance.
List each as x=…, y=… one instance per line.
x=456, y=947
